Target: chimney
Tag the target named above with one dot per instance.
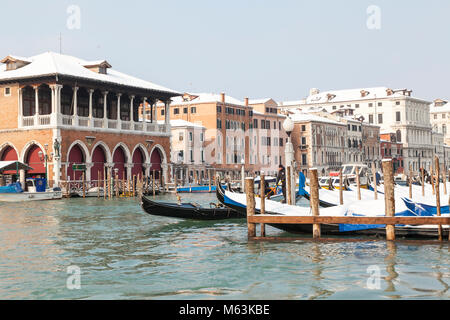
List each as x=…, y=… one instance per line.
x=389, y=92
x=246, y=102
x=363, y=93
x=222, y=97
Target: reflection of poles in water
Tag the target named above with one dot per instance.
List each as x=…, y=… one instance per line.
x=390, y=266
x=439, y=277
x=318, y=258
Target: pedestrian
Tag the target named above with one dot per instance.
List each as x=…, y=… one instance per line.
x=281, y=177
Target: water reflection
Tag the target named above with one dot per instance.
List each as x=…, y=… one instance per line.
x=390, y=262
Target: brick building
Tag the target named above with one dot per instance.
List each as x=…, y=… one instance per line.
x=59, y=110
x=391, y=148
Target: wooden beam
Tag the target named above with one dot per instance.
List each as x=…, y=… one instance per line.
x=389, y=197
x=382, y=220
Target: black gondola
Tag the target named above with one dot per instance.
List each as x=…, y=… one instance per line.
x=188, y=210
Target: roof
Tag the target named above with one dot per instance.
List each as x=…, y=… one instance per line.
x=51, y=63
x=207, y=98
x=259, y=101
x=183, y=123
x=355, y=94
x=444, y=108
x=13, y=165
x=307, y=117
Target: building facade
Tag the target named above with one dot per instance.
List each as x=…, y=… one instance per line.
x=392, y=149
x=392, y=110
x=440, y=118
x=60, y=111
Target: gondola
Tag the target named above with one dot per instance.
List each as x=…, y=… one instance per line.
x=191, y=211
x=334, y=229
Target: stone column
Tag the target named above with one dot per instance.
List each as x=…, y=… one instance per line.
x=118, y=111
x=22, y=178
x=129, y=167
x=144, y=115
x=20, y=94
x=89, y=166
x=105, y=115
x=165, y=172
x=131, y=110
x=56, y=171
x=75, y=106
x=147, y=167
x=36, y=110
x=91, y=93
x=167, y=112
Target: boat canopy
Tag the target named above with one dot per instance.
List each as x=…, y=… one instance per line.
x=13, y=165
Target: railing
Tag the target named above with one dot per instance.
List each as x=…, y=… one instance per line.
x=126, y=125
x=83, y=122
x=28, y=121
x=112, y=124
x=151, y=127
x=138, y=126
x=98, y=123
x=44, y=120
x=67, y=120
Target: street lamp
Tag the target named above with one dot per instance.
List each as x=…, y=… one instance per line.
x=288, y=126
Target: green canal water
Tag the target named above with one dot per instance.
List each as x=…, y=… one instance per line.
x=124, y=253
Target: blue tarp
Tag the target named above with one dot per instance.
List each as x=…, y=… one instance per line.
x=12, y=188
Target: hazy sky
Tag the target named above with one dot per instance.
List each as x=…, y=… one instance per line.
x=277, y=49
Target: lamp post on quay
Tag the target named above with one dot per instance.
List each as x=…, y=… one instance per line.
x=288, y=126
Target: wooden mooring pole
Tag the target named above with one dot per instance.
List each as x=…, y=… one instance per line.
x=262, y=184
x=84, y=184
x=423, y=181
x=314, y=202
x=99, y=178
x=375, y=185
x=438, y=196
x=389, y=197
x=444, y=179
x=358, y=183
x=341, y=188
x=410, y=181
x=288, y=186
x=250, y=193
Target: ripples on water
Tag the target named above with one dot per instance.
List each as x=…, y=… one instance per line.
x=125, y=253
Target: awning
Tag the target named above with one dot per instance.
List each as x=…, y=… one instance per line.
x=13, y=166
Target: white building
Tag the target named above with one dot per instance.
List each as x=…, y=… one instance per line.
x=440, y=118
x=391, y=110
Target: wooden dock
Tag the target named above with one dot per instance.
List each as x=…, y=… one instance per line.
x=389, y=220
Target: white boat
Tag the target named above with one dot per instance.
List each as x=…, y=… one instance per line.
x=14, y=193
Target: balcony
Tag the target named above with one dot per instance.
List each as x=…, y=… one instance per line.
x=101, y=124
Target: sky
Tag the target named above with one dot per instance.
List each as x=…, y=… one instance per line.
x=246, y=48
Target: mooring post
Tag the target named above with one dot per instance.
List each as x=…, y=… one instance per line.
x=288, y=185
x=433, y=182
x=117, y=185
x=389, y=197
x=104, y=184
x=341, y=188
x=410, y=181
x=438, y=196
x=175, y=180
x=358, y=183
x=262, y=184
x=423, y=181
x=153, y=184
x=250, y=193
x=209, y=179
x=134, y=185
x=99, y=178
x=314, y=202
x=375, y=185
x=84, y=184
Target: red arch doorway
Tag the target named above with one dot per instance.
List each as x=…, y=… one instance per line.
x=76, y=156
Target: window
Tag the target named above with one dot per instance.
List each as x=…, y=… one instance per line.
x=267, y=124
x=192, y=155
x=176, y=111
x=435, y=116
x=357, y=105
x=162, y=112
x=370, y=118
x=185, y=110
x=380, y=104
x=398, y=116
x=334, y=107
x=193, y=109
x=7, y=91
x=219, y=109
x=370, y=104
x=303, y=140
x=219, y=124
x=201, y=136
x=304, y=161
x=397, y=103
x=255, y=123
x=443, y=116
x=380, y=118
x=303, y=128
x=180, y=136
x=190, y=136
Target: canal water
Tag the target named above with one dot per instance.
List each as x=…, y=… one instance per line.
x=120, y=252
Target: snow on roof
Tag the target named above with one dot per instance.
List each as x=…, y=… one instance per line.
x=439, y=109
x=51, y=63
x=206, y=98
x=292, y=103
x=183, y=123
x=306, y=117
x=259, y=101
x=355, y=94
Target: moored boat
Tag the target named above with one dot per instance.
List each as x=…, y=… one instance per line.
x=188, y=210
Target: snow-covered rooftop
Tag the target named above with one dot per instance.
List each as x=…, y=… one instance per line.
x=51, y=63
x=183, y=123
x=206, y=98
x=306, y=117
x=439, y=109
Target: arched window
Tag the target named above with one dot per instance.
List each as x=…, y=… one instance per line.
x=97, y=104
x=45, y=100
x=67, y=103
x=83, y=102
x=28, y=102
x=125, y=108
